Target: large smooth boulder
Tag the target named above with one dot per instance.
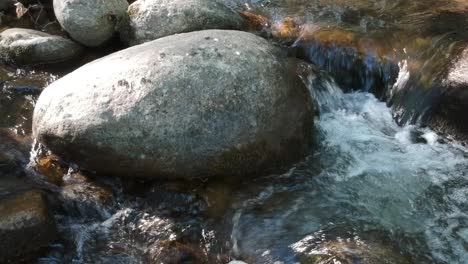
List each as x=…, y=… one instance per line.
x=90, y=22
x=150, y=19
x=27, y=46
x=200, y=104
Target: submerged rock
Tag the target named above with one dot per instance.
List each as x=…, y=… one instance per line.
x=344, y=54
x=90, y=22
x=200, y=104
x=150, y=20
x=450, y=115
x=87, y=200
x=52, y=168
x=436, y=95
x=26, y=46
x=25, y=226
x=346, y=251
x=173, y=252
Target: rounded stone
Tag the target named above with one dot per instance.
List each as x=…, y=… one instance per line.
x=149, y=20
x=200, y=104
x=27, y=46
x=90, y=22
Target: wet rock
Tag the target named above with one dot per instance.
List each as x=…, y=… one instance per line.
x=174, y=200
x=436, y=97
x=450, y=114
x=52, y=168
x=87, y=199
x=83, y=197
x=217, y=197
x=25, y=46
x=150, y=20
x=173, y=252
x=255, y=21
x=344, y=54
x=14, y=152
x=351, y=69
x=91, y=23
x=188, y=106
x=25, y=226
x=288, y=29
x=346, y=251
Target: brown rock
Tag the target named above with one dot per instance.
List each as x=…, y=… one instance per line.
x=25, y=226
x=173, y=252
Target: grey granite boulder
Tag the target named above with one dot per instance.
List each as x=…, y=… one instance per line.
x=90, y=22
x=150, y=19
x=27, y=46
x=201, y=104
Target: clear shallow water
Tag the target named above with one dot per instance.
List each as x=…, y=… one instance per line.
x=19, y=90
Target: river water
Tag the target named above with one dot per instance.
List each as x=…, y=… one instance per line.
x=373, y=190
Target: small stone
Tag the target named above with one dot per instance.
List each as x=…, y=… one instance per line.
x=27, y=46
x=90, y=22
x=150, y=20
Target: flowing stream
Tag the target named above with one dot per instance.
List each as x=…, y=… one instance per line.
x=377, y=188
x=370, y=182
x=371, y=192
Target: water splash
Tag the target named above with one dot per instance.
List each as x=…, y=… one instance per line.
x=368, y=176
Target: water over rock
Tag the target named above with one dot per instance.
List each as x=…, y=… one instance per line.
x=344, y=54
x=451, y=113
x=349, y=251
x=26, y=46
x=435, y=97
x=92, y=23
x=172, y=252
x=189, y=105
x=150, y=20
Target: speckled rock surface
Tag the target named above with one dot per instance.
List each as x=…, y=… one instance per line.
x=27, y=46
x=201, y=104
x=150, y=20
x=90, y=22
